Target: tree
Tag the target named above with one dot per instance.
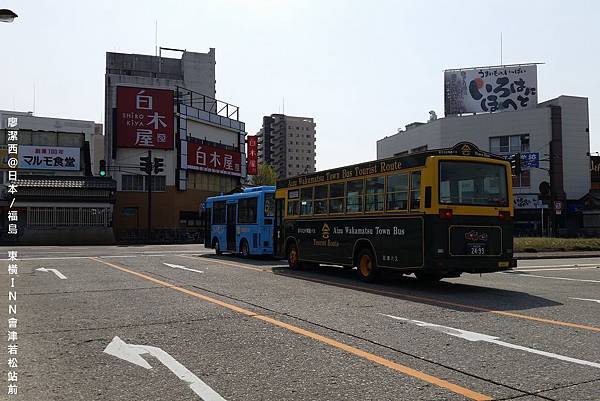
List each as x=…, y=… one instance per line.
x=266, y=175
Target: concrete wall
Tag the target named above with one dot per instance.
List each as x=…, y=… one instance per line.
x=211, y=133
x=575, y=144
x=199, y=72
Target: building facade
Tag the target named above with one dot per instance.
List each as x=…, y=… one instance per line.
x=288, y=144
x=556, y=130
x=167, y=107
x=58, y=199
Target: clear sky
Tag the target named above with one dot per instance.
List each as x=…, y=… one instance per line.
x=360, y=68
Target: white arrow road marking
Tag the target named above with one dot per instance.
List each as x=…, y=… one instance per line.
x=58, y=274
x=182, y=267
x=472, y=336
x=133, y=353
x=552, y=277
x=588, y=299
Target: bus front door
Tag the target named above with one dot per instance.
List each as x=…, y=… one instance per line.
x=231, y=217
x=207, y=214
x=278, y=238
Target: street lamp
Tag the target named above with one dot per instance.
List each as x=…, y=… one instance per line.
x=7, y=15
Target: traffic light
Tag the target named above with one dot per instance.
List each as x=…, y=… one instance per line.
x=146, y=164
x=102, y=169
x=158, y=165
x=515, y=164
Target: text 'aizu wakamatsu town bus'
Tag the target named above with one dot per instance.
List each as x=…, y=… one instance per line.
x=436, y=214
x=241, y=222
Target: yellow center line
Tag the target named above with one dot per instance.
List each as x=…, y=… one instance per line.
x=427, y=299
x=473, y=395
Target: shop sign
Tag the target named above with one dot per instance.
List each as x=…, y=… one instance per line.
x=49, y=158
x=213, y=159
x=145, y=118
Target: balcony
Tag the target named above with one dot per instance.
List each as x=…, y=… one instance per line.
x=202, y=107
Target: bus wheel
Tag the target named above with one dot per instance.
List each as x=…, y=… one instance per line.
x=367, y=266
x=428, y=277
x=244, y=249
x=217, y=247
x=292, y=256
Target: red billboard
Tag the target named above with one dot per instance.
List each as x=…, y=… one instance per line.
x=252, y=154
x=145, y=118
x=214, y=160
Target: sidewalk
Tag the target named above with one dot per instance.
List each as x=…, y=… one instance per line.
x=557, y=255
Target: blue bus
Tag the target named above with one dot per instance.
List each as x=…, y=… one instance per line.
x=241, y=223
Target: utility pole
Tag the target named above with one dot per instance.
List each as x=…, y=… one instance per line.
x=149, y=178
x=146, y=166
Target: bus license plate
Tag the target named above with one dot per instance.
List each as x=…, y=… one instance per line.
x=476, y=249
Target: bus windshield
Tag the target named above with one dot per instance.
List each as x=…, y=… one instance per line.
x=472, y=183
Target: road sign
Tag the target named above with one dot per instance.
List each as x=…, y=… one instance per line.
x=530, y=160
x=558, y=205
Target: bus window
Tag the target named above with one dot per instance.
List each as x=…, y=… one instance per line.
x=247, y=211
x=270, y=205
x=375, y=195
x=321, y=199
x=415, y=186
x=336, y=198
x=293, y=208
x=306, y=201
x=219, y=213
x=397, y=192
x=354, y=197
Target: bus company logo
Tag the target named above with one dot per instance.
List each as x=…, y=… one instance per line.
x=476, y=236
x=325, y=231
x=466, y=150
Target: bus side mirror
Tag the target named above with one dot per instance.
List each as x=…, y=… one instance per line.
x=427, y=197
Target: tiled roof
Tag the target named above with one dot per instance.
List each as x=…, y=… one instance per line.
x=40, y=181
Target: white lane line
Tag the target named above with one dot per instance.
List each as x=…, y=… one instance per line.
x=133, y=353
x=182, y=267
x=58, y=274
x=552, y=277
x=527, y=269
x=571, y=265
x=473, y=336
x=587, y=299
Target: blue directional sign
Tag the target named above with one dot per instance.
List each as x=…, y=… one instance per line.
x=530, y=160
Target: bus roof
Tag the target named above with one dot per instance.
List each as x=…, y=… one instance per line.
x=382, y=165
x=243, y=194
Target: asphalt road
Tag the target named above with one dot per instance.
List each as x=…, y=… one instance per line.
x=179, y=323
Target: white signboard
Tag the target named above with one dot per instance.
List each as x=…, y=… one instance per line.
x=490, y=89
x=527, y=201
x=49, y=158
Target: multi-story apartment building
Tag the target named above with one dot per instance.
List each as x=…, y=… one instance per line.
x=288, y=144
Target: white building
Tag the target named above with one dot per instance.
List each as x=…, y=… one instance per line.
x=557, y=129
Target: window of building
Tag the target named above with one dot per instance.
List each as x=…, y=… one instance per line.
x=397, y=192
x=189, y=219
x=336, y=198
x=354, y=196
x=132, y=182
x=374, y=194
x=159, y=183
x=509, y=145
x=219, y=212
x=321, y=195
x=247, y=211
x=415, y=189
x=306, y=201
